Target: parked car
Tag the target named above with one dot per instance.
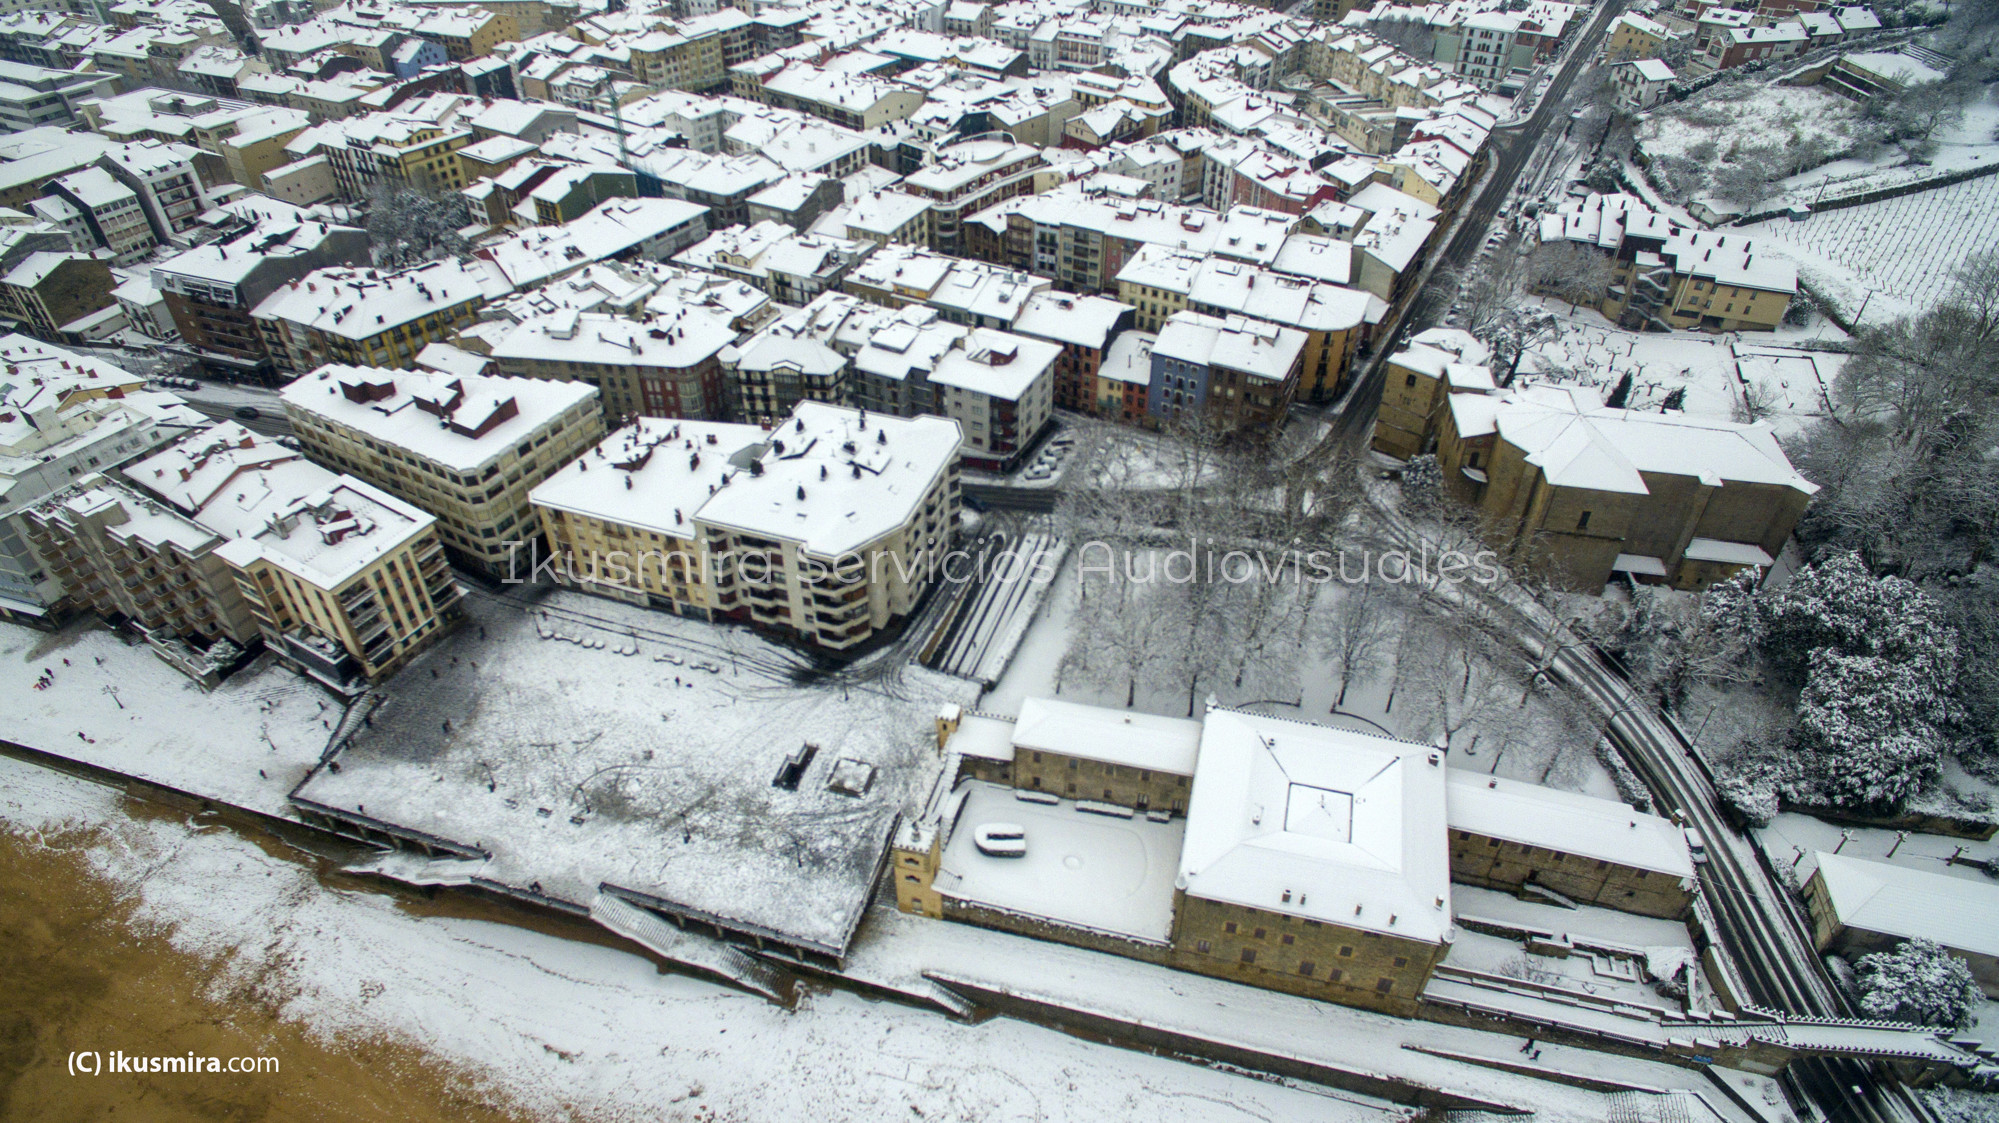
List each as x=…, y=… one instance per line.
x=1000, y=840
x=1696, y=845
x=249, y=413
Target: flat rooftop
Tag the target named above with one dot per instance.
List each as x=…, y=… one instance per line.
x=1082, y=870
x=583, y=743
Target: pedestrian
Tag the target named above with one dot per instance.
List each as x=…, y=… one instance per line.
x=65, y=662
x=1529, y=1047
x=80, y=736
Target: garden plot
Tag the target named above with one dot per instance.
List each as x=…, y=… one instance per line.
x=1893, y=258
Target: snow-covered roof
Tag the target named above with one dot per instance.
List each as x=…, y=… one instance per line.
x=655, y=474
x=459, y=421
x=1898, y=901
x=1254, y=347
x=876, y=471
x=1565, y=822
x=1576, y=441
x=677, y=341
x=1652, y=70
x=358, y=304
x=1605, y=221
x=1123, y=737
x=998, y=364
x=1129, y=358
x=1324, y=824
x=1068, y=318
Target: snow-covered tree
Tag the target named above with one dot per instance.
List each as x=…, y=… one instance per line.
x=1873, y=726
x=1570, y=271
x=1422, y=486
x=409, y=226
x=1918, y=982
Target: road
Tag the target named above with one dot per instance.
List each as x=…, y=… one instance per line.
x=270, y=423
x=1760, y=932
x=1512, y=146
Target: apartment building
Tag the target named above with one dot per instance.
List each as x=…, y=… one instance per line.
x=385, y=149
x=1085, y=327
x=1633, y=36
x=666, y=365
x=465, y=448
x=345, y=582
x=168, y=186
x=120, y=552
x=34, y=96
x=967, y=178
x=110, y=211
x=1664, y=275
x=862, y=102
x=368, y=317
x=1000, y=389
x=1587, y=493
x=47, y=294
x=64, y=416
x=793, y=268
x=826, y=530
x=212, y=289
x=1232, y=374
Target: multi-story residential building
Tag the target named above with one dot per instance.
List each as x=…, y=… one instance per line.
x=384, y=149
x=46, y=293
x=1082, y=241
x=1633, y=36
x=1233, y=373
x=1586, y=493
x=1085, y=327
x=1000, y=389
x=64, y=416
x=32, y=96
x=1731, y=47
x=257, y=145
x=368, y=317
x=1333, y=317
x=211, y=290
x=346, y=582
x=667, y=365
x=121, y=553
x=1640, y=83
x=827, y=530
x=167, y=183
x=793, y=268
x=1665, y=275
x=110, y=211
x=1124, y=379
x=790, y=360
x=862, y=102
x=967, y=178
x=629, y=230
x=466, y=448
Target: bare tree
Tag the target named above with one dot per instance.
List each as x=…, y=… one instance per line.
x=1358, y=635
x=1463, y=682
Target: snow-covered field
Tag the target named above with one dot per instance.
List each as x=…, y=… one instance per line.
x=609, y=744
x=1895, y=257
x=248, y=742
x=575, y=1031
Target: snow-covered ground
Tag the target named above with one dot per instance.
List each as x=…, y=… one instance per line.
x=248, y=742
x=576, y=1031
x=1707, y=127
x=1894, y=257
x=609, y=744
x=1015, y=586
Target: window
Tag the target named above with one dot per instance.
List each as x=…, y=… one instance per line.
x=1229, y=927
x=1289, y=939
x=1257, y=934
x=1402, y=961
x=1384, y=986
x=1408, y=380
x=1306, y=968
x=1249, y=955
x=1201, y=946
x=1346, y=952
x=1582, y=521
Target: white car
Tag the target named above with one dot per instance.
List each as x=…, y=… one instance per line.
x=1000, y=840
x=1696, y=846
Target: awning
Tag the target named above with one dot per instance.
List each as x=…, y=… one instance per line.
x=1638, y=565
